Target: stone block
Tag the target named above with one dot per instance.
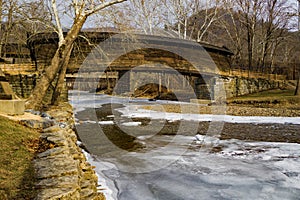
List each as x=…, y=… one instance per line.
x=38, y=124
x=56, y=166
x=12, y=107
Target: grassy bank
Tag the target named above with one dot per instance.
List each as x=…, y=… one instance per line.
x=17, y=147
x=269, y=98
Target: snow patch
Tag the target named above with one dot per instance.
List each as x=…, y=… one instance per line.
x=89, y=122
x=106, y=122
x=133, y=112
x=131, y=123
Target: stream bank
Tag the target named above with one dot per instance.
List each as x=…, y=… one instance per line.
x=62, y=169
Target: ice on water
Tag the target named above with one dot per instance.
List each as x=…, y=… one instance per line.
x=238, y=170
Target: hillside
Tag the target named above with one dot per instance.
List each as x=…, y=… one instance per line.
x=17, y=146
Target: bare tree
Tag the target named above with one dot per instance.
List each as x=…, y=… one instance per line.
x=250, y=12
x=10, y=8
x=141, y=15
x=231, y=24
x=274, y=23
x=1, y=7
x=81, y=10
x=146, y=14
x=297, y=90
x=178, y=12
x=240, y=24
x=171, y=15
x=18, y=21
x=211, y=11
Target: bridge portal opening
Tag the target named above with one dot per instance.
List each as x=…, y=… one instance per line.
x=156, y=74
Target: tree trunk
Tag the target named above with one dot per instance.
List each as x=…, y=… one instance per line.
x=249, y=54
x=35, y=100
x=1, y=3
x=61, y=80
x=297, y=90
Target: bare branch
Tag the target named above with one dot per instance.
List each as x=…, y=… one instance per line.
x=102, y=6
x=58, y=23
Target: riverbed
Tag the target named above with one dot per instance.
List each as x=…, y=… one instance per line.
x=142, y=154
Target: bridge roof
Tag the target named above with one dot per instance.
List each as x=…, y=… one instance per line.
x=102, y=34
x=128, y=50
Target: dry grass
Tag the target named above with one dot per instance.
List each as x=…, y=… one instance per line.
x=277, y=96
x=18, y=145
x=179, y=108
x=267, y=103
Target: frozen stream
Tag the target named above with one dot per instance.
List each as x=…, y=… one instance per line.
x=186, y=165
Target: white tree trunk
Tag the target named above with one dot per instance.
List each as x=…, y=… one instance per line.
x=61, y=58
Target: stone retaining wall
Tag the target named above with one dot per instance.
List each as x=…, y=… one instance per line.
x=22, y=84
x=239, y=86
x=234, y=86
x=62, y=170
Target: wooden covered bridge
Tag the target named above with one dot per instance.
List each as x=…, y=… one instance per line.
x=130, y=59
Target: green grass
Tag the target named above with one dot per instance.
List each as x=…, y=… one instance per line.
x=272, y=93
x=277, y=96
x=17, y=147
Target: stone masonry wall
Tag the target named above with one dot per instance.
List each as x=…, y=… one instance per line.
x=22, y=84
x=62, y=170
x=234, y=86
x=238, y=86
